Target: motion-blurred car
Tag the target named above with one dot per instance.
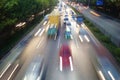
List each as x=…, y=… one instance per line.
x=68, y=23
x=82, y=31
x=65, y=58
x=34, y=69
x=52, y=31
x=67, y=33
x=46, y=17
x=65, y=19
x=73, y=17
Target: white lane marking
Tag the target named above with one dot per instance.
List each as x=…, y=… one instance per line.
x=45, y=23
x=71, y=36
x=71, y=64
x=42, y=32
x=80, y=38
x=58, y=43
x=76, y=42
x=34, y=67
x=5, y=70
x=37, y=32
x=42, y=69
x=25, y=78
x=55, y=36
x=101, y=75
x=60, y=63
x=110, y=74
x=47, y=28
x=13, y=71
x=38, y=78
x=84, y=26
x=77, y=26
x=86, y=38
x=39, y=43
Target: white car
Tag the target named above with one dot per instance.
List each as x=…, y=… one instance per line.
x=65, y=20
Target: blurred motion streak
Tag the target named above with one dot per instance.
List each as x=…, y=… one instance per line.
x=111, y=75
x=37, y=32
x=5, y=70
x=94, y=13
x=13, y=71
x=42, y=32
x=101, y=75
x=80, y=38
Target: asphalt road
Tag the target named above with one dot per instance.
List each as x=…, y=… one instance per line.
x=38, y=58
x=108, y=26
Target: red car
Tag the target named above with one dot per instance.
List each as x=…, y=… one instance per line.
x=65, y=57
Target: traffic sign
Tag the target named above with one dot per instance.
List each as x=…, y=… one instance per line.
x=99, y=2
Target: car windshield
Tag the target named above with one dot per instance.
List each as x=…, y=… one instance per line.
x=82, y=31
x=65, y=19
x=68, y=33
x=66, y=52
x=68, y=23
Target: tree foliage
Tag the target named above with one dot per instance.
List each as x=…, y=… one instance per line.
x=12, y=11
x=111, y=7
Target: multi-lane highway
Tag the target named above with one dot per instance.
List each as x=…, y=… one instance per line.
x=109, y=26
x=36, y=57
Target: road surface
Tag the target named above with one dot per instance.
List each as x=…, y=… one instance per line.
x=108, y=26
x=37, y=58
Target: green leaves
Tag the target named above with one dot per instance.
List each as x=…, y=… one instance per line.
x=13, y=10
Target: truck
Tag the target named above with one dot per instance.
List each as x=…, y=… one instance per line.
x=54, y=22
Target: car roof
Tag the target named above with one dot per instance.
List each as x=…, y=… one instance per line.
x=65, y=50
x=67, y=29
